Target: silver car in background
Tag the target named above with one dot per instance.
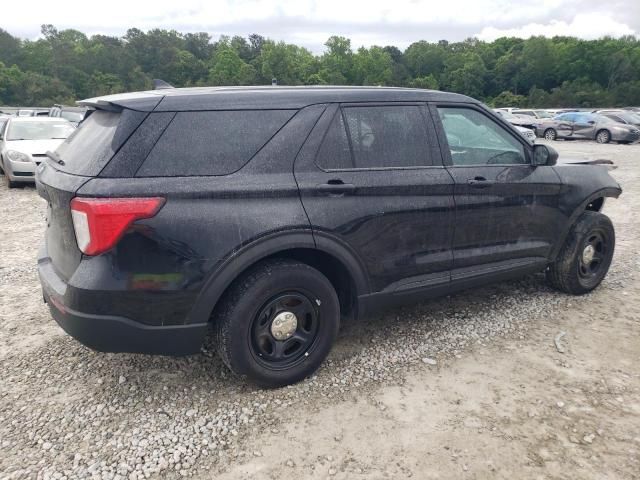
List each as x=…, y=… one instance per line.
x=587, y=126
x=622, y=116
x=24, y=142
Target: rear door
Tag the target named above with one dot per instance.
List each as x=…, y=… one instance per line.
x=371, y=178
x=506, y=209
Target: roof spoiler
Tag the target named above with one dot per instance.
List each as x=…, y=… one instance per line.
x=140, y=101
x=161, y=84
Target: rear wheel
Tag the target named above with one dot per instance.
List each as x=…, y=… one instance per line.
x=550, y=134
x=277, y=323
x=584, y=259
x=603, y=136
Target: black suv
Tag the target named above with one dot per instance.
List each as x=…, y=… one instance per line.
x=270, y=214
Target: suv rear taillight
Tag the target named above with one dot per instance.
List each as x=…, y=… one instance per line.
x=100, y=222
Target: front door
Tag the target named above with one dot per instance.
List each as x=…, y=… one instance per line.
x=371, y=177
x=506, y=209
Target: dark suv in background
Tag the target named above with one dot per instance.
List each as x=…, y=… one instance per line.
x=270, y=214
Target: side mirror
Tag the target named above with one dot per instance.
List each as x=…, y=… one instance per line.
x=544, y=155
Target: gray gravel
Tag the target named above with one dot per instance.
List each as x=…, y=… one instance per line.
x=69, y=412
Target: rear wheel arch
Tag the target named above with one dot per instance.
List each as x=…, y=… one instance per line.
x=331, y=258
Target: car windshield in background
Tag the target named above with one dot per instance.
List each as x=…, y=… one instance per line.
x=628, y=117
x=72, y=116
x=543, y=114
x=39, y=130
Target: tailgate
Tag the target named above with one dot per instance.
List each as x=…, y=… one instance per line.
x=58, y=188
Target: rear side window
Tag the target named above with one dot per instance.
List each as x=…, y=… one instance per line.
x=391, y=136
x=212, y=143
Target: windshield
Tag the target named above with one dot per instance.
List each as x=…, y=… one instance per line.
x=628, y=117
x=543, y=114
x=72, y=116
x=39, y=130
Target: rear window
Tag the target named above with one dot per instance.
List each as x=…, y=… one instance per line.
x=212, y=143
x=91, y=146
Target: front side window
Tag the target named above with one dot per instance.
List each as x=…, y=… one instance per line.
x=475, y=139
x=393, y=136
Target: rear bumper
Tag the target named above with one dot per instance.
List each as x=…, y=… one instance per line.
x=106, y=333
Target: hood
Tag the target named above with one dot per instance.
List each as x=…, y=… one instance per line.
x=33, y=147
x=586, y=161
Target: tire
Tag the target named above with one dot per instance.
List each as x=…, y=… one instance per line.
x=570, y=272
x=11, y=183
x=603, y=136
x=247, y=315
x=550, y=134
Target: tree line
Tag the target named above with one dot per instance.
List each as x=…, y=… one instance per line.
x=65, y=65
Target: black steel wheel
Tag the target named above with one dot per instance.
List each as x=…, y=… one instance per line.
x=284, y=330
x=594, y=251
x=586, y=255
x=277, y=323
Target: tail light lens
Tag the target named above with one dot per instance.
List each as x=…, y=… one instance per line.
x=100, y=222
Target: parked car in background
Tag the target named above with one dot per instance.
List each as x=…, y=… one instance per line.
x=527, y=133
x=621, y=116
x=24, y=142
x=590, y=126
x=75, y=115
x=268, y=214
x=525, y=121
x=633, y=109
x=533, y=113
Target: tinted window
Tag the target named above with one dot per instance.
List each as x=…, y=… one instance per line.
x=334, y=151
x=475, y=139
x=375, y=137
x=212, y=143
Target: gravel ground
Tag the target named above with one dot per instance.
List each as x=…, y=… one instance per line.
x=68, y=412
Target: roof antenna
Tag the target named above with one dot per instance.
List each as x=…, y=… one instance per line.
x=161, y=84
x=274, y=82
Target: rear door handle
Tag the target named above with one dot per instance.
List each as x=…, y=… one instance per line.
x=479, y=182
x=336, y=187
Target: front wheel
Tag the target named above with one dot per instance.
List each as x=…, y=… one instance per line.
x=550, y=134
x=277, y=323
x=586, y=255
x=603, y=136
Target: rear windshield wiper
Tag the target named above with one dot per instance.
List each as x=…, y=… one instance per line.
x=55, y=157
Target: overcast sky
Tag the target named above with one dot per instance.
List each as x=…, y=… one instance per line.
x=311, y=22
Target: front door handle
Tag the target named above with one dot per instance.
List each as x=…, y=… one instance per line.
x=479, y=182
x=336, y=187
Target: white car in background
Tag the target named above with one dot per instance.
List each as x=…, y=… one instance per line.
x=24, y=142
x=527, y=133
